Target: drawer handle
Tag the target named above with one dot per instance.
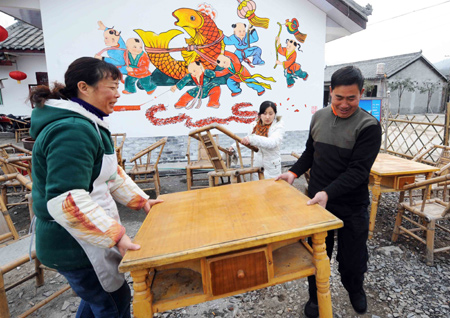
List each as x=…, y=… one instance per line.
x=240, y=274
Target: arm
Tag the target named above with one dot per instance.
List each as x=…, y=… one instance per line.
x=71, y=150
x=304, y=163
x=364, y=154
x=143, y=64
x=253, y=36
x=274, y=140
x=290, y=60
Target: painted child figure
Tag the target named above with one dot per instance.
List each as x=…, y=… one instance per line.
x=204, y=87
x=242, y=40
x=116, y=47
x=231, y=65
x=137, y=62
x=292, y=70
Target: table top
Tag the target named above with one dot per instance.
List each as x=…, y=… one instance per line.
x=194, y=224
x=389, y=165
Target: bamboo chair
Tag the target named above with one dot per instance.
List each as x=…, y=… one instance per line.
x=202, y=163
x=424, y=216
x=443, y=163
x=220, y=167
x=144, y=171
x=14, y=159
x=16, y=253
x=119, y=140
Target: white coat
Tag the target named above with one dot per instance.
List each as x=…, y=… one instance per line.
x=268, y=156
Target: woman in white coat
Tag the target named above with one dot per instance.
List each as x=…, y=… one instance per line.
x=267, y=134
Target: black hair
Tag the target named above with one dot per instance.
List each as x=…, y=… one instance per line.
x=136, y=40
x=86, y=69
x=265, y=105
x=347, y=76
x=234, y=25
x=112, y=31
x=295, y=44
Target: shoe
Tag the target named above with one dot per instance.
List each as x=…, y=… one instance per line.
x=311, y=309
x=290, y=85
x=359, y=301
x=262, y=92
x=126, y=92
x=235, y=94
x=306, y=77
x=150, y=92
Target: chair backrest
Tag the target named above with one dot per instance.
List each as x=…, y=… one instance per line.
x=213, y=149
x=119, y=140
x=146, y=154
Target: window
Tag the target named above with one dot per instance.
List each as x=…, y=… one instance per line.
x=371, y=90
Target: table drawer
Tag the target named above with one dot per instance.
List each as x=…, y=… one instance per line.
x=239, y=271
x=404, y=180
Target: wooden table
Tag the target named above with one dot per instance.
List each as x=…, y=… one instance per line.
x=390, y=174
x=216, y=242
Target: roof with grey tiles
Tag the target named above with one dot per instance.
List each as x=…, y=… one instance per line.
x=23, y=36
x=392, y=65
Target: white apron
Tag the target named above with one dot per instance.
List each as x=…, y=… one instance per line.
x=105, y=260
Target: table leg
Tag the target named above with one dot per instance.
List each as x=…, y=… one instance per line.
x=143, y=298
x=322, y=263
x=376, y=194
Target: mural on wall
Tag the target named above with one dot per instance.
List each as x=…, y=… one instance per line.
x=213, y=64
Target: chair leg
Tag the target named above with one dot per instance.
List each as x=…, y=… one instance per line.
x=188, y=178
x=4, y=197
x=431, y=226
x=234, y=179
x=156, y=181
x=398, y=223
x=211, y=181
x=4, y=310
x=39, y=273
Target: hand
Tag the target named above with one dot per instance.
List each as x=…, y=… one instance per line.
x=101, y=26
x=173, y=88
x=278, y=40
x=125, y=244
x=98, y=56
x=287, y=176
x=245, y=141
x=129, y=69
x=148, y=205
x=279, y=62
x=321, y=198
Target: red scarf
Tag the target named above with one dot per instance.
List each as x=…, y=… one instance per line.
x=260, y=129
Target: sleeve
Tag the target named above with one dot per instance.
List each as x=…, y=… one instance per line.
x=184, y=81
x=304, y=163
x=126, y=192
x=281, y=50
x=253, y=36
x=69, y=202
x=228, y=40
x=274, y=140
x=365, y=152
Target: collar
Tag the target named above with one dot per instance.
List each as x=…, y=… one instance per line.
x=76, y=108
x=90, y=108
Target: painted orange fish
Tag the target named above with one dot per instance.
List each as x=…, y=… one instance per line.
x=203, y=33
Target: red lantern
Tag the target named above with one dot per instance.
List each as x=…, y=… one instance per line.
x=3, y=34
x=18, y=76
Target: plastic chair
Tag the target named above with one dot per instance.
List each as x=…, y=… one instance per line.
x=144, y=171
x=423, y=216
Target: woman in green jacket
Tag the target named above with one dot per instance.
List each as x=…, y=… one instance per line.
x=76, y=181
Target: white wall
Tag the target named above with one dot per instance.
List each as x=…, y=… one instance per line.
x=69, y=36
x=14, y=94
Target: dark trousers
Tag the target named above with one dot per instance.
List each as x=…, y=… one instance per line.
x=95, y=301
x=352, y=252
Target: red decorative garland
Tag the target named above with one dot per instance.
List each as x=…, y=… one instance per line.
x=239, y=116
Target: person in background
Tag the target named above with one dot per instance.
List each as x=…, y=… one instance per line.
x=267, y=134
x=343, y=143
x=76, y=179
